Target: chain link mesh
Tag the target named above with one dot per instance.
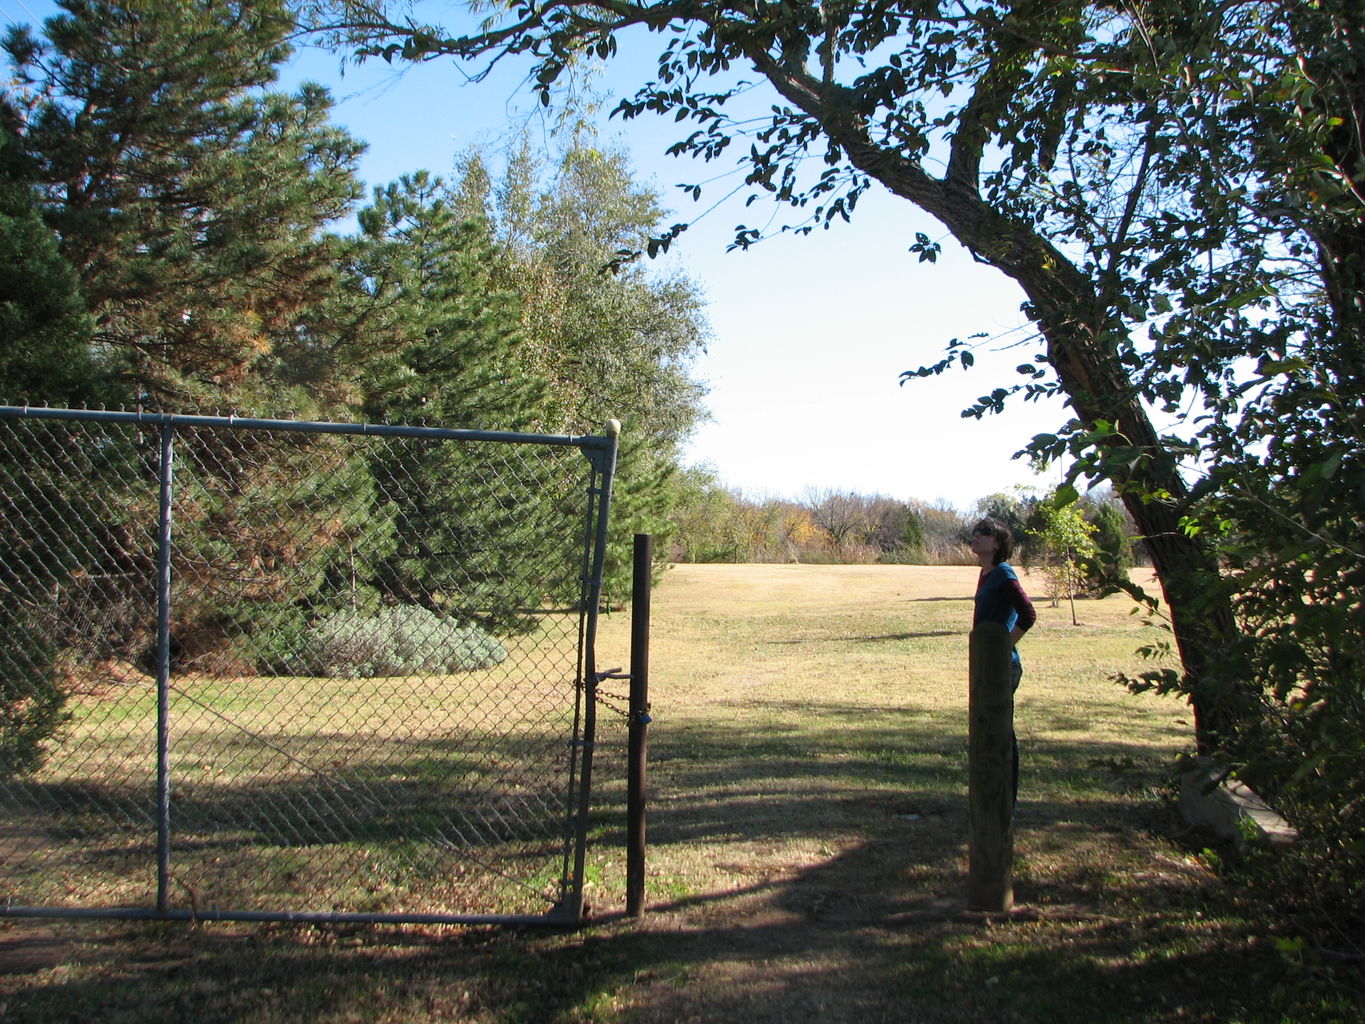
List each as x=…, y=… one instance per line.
x=374, y=670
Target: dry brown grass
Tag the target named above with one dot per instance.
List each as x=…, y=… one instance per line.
x=807, y=850
x=863, y=668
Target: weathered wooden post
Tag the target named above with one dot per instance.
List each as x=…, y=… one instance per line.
x=990, y=711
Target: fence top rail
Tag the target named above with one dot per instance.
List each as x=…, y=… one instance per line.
x=582, y=441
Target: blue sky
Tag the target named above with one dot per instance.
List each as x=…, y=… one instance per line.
x=810, y=333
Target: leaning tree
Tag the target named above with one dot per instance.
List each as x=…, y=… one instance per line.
x=1074, y=146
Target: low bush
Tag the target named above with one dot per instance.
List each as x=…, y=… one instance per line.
x=399, y=641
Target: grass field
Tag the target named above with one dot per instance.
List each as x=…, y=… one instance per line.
x=433, y=794
x=807, y=854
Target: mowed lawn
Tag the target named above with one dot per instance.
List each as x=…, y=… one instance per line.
x=807, y=858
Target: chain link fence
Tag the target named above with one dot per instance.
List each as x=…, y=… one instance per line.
x=268, y=669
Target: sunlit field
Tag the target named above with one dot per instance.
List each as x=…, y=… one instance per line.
x=793, y=701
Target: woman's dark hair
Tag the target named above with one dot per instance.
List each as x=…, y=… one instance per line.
x=1003, y=538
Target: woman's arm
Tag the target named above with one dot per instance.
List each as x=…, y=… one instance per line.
x=1013, y=592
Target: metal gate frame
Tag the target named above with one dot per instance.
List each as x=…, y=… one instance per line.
x=601, y=453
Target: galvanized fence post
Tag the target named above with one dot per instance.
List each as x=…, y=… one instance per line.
x=990, y=770
x=166, y=477
x=604, y=469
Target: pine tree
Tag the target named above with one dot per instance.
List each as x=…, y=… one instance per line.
x=189, y=201
x=615, y=343
x=468, y=519
x=45, y=358
x=451, y=335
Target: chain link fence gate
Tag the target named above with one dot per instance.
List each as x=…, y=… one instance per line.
x=274, y=670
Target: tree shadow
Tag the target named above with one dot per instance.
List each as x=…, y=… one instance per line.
x=878, y=931
x=828, y=640
x=472, y=825
x=908, y=636
x=1112, y=924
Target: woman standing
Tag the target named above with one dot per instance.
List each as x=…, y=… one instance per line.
x=1000, y=598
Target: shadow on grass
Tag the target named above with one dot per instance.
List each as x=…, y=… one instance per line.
x=471, y=826
x=907, y=636
x=1113, y=925
x=798, y=770
x=850, y=939
x=806, y=642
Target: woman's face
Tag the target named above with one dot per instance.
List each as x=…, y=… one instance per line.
x=984, y=544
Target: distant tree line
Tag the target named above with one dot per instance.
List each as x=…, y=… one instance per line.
x=711, y=522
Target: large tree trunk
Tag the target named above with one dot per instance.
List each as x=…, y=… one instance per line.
x=1076, y=326
x=1081, y=347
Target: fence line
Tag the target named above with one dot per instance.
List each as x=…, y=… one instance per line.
x=311, y=671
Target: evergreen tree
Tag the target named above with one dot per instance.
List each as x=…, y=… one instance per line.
x=615, y=342
x=45, y=358
x=189, y=202
x=912, y=536
x=467, y=518
x=1015, y=512
x=453, y=339
x=1114, y=554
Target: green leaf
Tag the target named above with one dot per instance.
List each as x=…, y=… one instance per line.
x=1269, y=367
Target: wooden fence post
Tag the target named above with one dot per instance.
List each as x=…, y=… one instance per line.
x=990, y=711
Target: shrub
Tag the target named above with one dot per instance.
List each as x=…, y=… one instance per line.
x=398, y=641
x=277, y=649
x=31, y=701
